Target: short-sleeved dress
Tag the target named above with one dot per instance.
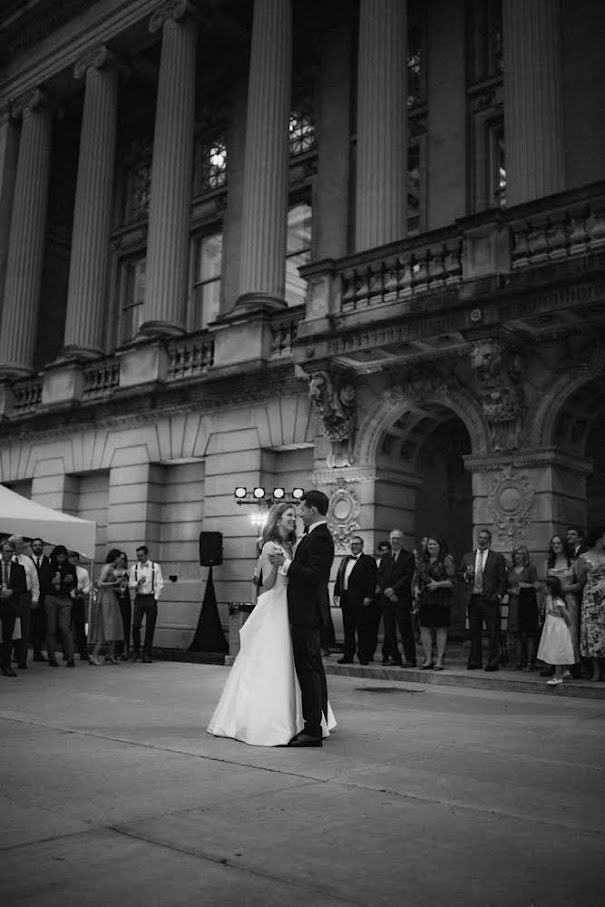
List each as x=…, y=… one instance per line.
x=436, y=605
x=522, y=603
x=105, y=616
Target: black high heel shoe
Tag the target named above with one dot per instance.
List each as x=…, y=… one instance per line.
x=428, y=667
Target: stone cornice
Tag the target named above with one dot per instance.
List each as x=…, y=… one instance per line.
x=528, y=459
x=63, y=48
x=202, y=396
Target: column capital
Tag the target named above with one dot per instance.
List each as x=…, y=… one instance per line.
x=33, y=100
x=172, y=9
x=97, y=57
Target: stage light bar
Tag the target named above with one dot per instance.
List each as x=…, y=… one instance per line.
x=259, y=493
x=279, y=493
x=240, y=492
x=298, y=493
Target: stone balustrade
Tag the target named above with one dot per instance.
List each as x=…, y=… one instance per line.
x=27, y=395
x=190, y=357
x=100, y=379
x=284, y=330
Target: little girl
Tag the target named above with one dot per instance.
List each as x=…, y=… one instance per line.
x=556, y=646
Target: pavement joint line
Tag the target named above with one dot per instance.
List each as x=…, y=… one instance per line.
x=243, y=868
x=481, y=810
x=64, y=837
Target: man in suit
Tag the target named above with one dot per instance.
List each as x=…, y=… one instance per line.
x=576, y=541
x=38, y=615
x=29, y=600
x=484, y=574
x=308, y=608
x=394, y=583
x=354, y=591
x=13, y=586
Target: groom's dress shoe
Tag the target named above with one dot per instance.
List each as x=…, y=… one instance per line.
x=303, y=739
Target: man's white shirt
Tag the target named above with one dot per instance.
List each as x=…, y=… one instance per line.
x=83, y=579
x=31, y=575
x=348, y=571
x=286, y=564
x=152, y=574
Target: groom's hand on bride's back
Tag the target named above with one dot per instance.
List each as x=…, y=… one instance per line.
x=277, y=558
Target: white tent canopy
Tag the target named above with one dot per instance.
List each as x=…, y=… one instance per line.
x=20, y=516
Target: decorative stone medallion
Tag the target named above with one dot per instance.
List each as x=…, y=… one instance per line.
x=343, y=516
x=510, y=501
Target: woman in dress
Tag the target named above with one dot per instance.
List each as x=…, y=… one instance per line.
x=261, y=703
x=523, y=608
x=560, y=563
x=106, y=626
x=435, y=581
x=121, y=572
x=591, y=577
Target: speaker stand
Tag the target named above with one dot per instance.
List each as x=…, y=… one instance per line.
x=209, y=636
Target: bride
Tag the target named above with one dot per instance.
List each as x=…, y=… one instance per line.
x=261, y=702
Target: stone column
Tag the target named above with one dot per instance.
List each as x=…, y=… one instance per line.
x=533, y=99
x=26, y=243
x=171, y=172
x=381, y=194
x=265, y=204
x=9, y=147
x=86, y=295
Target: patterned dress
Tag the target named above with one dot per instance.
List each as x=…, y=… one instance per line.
x=592, y=625
x=436, y=605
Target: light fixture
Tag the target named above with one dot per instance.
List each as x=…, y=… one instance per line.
x=279, y=493
x=240, y=492
x=259, y=493
x=298, y=493
x=259, y=519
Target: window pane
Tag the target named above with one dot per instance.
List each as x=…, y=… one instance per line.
x=132, y=306
x=208, y=301
x=299, y=229
x=296, y=287
x=209, y=258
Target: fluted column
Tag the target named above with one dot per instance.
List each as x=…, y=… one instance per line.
x=171, y=172
x=86, y=295
x=533, y=104
x=26, y=242
x=381, y=193
x=265, y=204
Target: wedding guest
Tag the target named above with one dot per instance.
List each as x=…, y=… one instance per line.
x=105, y=618
x=418, y=552
x=555, y=647
x=435, y=578
x=562, y=564
x=576, y=541
x=354, y=592
x=13, y=587
x=38, y=615
x=591, y=577
x=28, y=602
x=123, y=593
x=79, y=607
x=484, y=573
x=383, y=548
x=522, y=579
x=394, y=584
x=58, y=606
x=147, y=583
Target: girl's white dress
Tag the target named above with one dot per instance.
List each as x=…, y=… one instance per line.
x=556, y=646
x=261, y=703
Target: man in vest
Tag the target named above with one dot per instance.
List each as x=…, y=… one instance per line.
x=146, y=583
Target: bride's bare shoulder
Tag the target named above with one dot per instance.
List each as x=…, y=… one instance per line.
x=269, y=548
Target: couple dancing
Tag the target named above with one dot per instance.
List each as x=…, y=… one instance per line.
x=276, y=693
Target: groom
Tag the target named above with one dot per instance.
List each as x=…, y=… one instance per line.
x=308, y=609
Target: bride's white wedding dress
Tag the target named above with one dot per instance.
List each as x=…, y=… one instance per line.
x=261, y=703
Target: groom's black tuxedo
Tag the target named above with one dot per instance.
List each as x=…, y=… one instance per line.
x=308, y=610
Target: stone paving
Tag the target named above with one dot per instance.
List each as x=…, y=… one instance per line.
x=424, y=795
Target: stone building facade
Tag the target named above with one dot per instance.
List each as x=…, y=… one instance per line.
x=352, y=245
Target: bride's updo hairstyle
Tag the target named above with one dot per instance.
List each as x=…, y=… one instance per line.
x=271, y=532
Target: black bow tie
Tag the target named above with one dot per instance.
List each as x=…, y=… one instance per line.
x=306, y=530
x=354, y=557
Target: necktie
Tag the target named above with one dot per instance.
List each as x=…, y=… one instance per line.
x=38, y=563
x=5, y=574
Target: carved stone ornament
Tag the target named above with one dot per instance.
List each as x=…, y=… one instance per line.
x=97, y=57
x=510, y=501
x=343, y=516
x=419, y=382
x=499, y=373
x=170, y=9
x=335, y=399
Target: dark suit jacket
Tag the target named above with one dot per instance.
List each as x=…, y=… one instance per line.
x=308, y=577
x=17, y=583
x=362, y=581
x=494, y=575
x=397, y=575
